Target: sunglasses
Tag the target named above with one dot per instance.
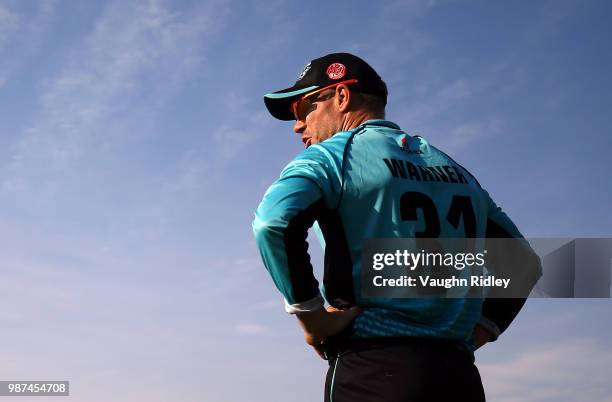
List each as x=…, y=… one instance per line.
x=302, y=106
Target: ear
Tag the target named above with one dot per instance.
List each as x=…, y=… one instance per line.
x=343, y=98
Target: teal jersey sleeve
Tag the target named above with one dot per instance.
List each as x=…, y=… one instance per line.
x=289, y=208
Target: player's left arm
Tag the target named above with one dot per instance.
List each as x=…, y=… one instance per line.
x=498, y=313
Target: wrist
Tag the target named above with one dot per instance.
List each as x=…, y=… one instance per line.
x=313, y=323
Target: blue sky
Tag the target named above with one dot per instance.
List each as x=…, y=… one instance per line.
x=134, y=148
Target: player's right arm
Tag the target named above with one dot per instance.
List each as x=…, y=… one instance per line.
x=288, y=209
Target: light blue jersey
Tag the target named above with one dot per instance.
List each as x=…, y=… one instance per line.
x=376, y=181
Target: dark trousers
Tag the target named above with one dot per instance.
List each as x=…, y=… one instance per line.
x=402, y=370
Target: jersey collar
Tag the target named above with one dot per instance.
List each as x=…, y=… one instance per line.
x=380, y=122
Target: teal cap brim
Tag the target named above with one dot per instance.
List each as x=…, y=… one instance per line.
x=279, y=102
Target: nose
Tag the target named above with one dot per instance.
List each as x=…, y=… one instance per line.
x=299, y=126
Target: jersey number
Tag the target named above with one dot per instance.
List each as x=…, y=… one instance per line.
x=461, y=207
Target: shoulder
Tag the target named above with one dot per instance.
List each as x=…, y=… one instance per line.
x=444, y=156
x=325, y=155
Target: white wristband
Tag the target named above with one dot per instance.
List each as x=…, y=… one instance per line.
x=313, y=304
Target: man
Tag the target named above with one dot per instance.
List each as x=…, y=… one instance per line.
x=349, y=180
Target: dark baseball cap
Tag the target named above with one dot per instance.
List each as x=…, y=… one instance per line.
x=322, y=72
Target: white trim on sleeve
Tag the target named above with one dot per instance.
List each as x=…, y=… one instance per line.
x=311, y=305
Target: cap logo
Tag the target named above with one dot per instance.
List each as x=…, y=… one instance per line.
x=303, y=73
x=335, y=71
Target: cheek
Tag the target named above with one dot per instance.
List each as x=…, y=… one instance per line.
x=313, y=124
x=317, y=131
x=320, y=125
x=326, y=129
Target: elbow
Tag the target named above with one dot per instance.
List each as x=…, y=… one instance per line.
x=260, y=227
x=263, y=228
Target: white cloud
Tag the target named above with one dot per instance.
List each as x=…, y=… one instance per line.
x=136, y=56
x=272, y=304
x=434, y=115
x=246, y=127
x=191, y=176
x=567, y=371
x=21, y=35
x=410, y=10
x=252, y=329
x=439, y=100
x=237, y=266
x=468, y=133
x=9, y=23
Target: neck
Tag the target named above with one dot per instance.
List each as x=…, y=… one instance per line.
x=356, y=118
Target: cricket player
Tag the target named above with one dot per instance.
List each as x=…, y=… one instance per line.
x=362, y=177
